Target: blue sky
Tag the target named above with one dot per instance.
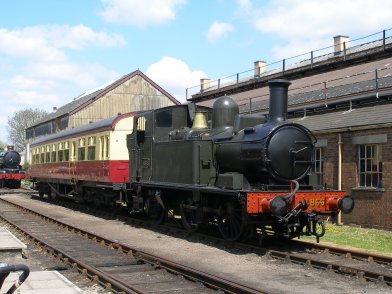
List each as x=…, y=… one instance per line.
x=54, y=50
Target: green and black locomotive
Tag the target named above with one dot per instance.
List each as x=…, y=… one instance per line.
x=243, y=173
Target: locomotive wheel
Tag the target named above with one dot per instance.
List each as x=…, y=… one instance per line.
x=155, y=211
x=231, y=221
x=160, y=216
x=188, y=216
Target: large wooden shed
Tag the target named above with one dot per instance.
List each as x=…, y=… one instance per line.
x=132, y=92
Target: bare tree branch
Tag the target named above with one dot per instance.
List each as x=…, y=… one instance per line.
x=19, y=121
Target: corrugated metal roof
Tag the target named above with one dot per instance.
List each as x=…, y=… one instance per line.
x=330, y=95
x=359, y=117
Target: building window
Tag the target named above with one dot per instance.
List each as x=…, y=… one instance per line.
x=370, y=165
x=318, y=166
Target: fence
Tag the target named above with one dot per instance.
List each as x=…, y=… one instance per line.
x=325, y=92
x=376, y=42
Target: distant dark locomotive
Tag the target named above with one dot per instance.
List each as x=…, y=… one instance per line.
x=11, y=172
x=243, y=173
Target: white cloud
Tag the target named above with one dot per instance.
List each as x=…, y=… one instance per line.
x=174, y=76
x=311, y=22
x=293, y=48
x=74, y=37
x=85, y=75
x=219, y=30
x=19, y=44
x=313, y=19
x=44, y=42
x=140, y=13
x=24, y=82
x=245, y=6
x=38, y=70
x=33, y=98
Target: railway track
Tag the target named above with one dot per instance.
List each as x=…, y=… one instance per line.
x=365, y=266
x=117, y=267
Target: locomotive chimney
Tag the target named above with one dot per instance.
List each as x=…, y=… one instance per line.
x=278, y=100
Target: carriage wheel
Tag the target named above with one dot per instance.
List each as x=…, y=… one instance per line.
x=188, y=216
x=231, y=221
x=52, y=195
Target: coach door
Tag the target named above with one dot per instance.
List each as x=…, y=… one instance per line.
x=104, y=145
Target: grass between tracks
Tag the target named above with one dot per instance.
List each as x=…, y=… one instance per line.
x=356, y=237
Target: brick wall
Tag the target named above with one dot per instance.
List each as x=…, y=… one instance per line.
x=373, y=208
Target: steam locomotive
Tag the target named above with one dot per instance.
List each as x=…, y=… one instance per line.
x=11, y=172
x=245, y=174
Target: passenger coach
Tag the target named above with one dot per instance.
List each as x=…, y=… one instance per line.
x=86, y=163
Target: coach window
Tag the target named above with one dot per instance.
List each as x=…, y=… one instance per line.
x=370, y=165
x=91, y=148
x=66, y=151
x=60, y=152
x=42, y=155
x=47, y=153
x=101, y=143
x=82, y=149
x=53, y=158
x=36, y=159
x=107, y=146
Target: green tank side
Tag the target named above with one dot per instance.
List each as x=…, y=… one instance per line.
x=184, y=162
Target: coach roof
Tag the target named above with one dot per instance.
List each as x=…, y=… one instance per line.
x=105, y=124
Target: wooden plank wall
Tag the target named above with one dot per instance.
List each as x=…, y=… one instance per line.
x=134, y=94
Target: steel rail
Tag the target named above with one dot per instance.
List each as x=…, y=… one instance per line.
x=106, y=280
x=349, y=253
x=366, y=275
x=110, y=281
